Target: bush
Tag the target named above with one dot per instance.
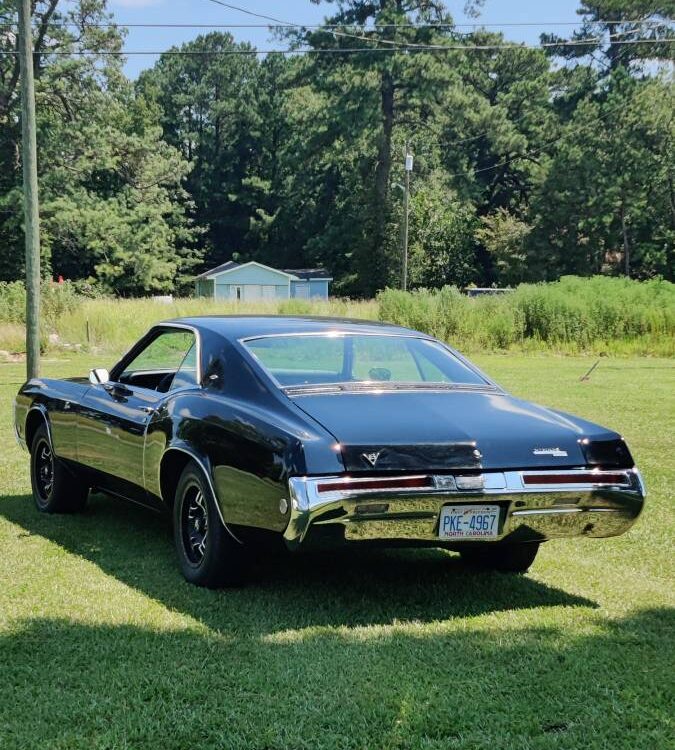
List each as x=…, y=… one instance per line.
x=56, y=300
x=573, y=314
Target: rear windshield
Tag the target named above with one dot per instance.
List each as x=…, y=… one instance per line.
x=357, y=358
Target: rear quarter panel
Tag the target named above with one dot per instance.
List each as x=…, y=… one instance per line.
x=249, y=449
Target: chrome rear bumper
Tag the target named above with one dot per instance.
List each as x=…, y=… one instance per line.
x=533, y=507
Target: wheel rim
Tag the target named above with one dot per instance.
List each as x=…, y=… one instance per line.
x=44, y=471
x=194, y=524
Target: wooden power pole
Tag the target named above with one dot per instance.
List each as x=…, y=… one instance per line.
x=406, y=216
x=30, y=190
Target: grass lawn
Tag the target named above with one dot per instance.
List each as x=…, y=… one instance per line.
x=102, y=644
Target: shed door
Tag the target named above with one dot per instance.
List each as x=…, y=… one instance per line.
x=302, y=290
x=252, y=291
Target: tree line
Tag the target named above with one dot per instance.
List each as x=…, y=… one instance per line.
x=530, y=163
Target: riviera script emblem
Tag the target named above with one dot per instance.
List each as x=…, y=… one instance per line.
x=557, y=452
x=371, y=457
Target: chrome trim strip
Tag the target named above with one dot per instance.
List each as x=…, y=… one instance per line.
x=337, y=333
x=45, y=415
x=368, y=387
x=494, y=483
x=20, y=442
x=575, y=485
x=208, y=479
x=561, y=510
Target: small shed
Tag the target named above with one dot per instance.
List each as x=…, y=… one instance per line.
x=255, y=281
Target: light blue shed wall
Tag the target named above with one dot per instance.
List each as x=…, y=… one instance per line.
x=252, y=275
x=225, y=291
x=318, y=288
x=312, y=289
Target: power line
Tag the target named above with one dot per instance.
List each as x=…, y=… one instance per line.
x=377, y=40
x=334, y=31
x=352, y=27
x=346, y=50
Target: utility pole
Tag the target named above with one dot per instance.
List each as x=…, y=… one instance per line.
x=408, y=170
x=30, y=190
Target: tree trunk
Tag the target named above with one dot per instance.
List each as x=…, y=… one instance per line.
x=383, y=169
x=626, y=246
x=373, y=269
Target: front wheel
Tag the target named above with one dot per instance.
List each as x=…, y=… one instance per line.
x=506, y=558
x=207, y=553
x=56, y=487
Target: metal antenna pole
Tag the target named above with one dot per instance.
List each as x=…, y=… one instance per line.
x=30, y=190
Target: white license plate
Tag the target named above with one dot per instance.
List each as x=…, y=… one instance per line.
x=469, y=522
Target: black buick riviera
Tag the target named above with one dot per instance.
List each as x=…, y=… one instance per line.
x=321, y=432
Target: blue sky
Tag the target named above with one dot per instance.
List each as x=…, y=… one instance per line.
x=304, y=12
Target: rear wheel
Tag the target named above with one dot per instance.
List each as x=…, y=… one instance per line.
x=207, y=553
x=56, y=487
x=506, y=558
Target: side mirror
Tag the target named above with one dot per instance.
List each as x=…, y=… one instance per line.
x=99, y=376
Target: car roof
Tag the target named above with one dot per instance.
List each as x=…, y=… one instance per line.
x=243, y=326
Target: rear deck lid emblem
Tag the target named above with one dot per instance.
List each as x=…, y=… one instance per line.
x=556, y=452
x=371, y=457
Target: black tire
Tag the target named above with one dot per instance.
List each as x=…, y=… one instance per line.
x=56, y=487
x=505, y=558
x=208, y=554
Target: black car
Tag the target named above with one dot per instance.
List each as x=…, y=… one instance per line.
x=322, y=432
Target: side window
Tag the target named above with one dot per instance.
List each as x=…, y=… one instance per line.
x=166, y=363
x=187, y=372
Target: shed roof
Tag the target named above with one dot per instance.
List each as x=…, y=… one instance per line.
x=301, y=273
x=218, y=269
x=309, y=273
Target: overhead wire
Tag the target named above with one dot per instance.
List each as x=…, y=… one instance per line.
x=354, y=27
x=348, y=50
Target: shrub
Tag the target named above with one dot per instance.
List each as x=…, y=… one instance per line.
x=573, y=314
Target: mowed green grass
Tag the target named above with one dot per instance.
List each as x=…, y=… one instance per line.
x=102, y=644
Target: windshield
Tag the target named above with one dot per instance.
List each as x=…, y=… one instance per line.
x=296, y=360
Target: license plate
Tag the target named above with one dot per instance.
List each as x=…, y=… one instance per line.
x=469, y=522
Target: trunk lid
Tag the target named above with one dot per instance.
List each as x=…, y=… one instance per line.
x=445, y=430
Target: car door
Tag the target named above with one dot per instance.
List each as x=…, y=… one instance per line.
x=115, y=415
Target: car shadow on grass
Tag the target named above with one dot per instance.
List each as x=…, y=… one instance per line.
x=354, y=588
x=67, y=684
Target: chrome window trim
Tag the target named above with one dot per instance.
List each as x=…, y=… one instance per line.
x=341, y=334
x=163, y=326
x=368, y=387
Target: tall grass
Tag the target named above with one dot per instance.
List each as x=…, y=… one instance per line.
x=601, y=315
x=596, y=315
x=114, y=324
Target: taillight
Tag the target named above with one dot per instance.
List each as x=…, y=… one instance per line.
x=590, y=477
x=375, y=484
x=611, y=454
